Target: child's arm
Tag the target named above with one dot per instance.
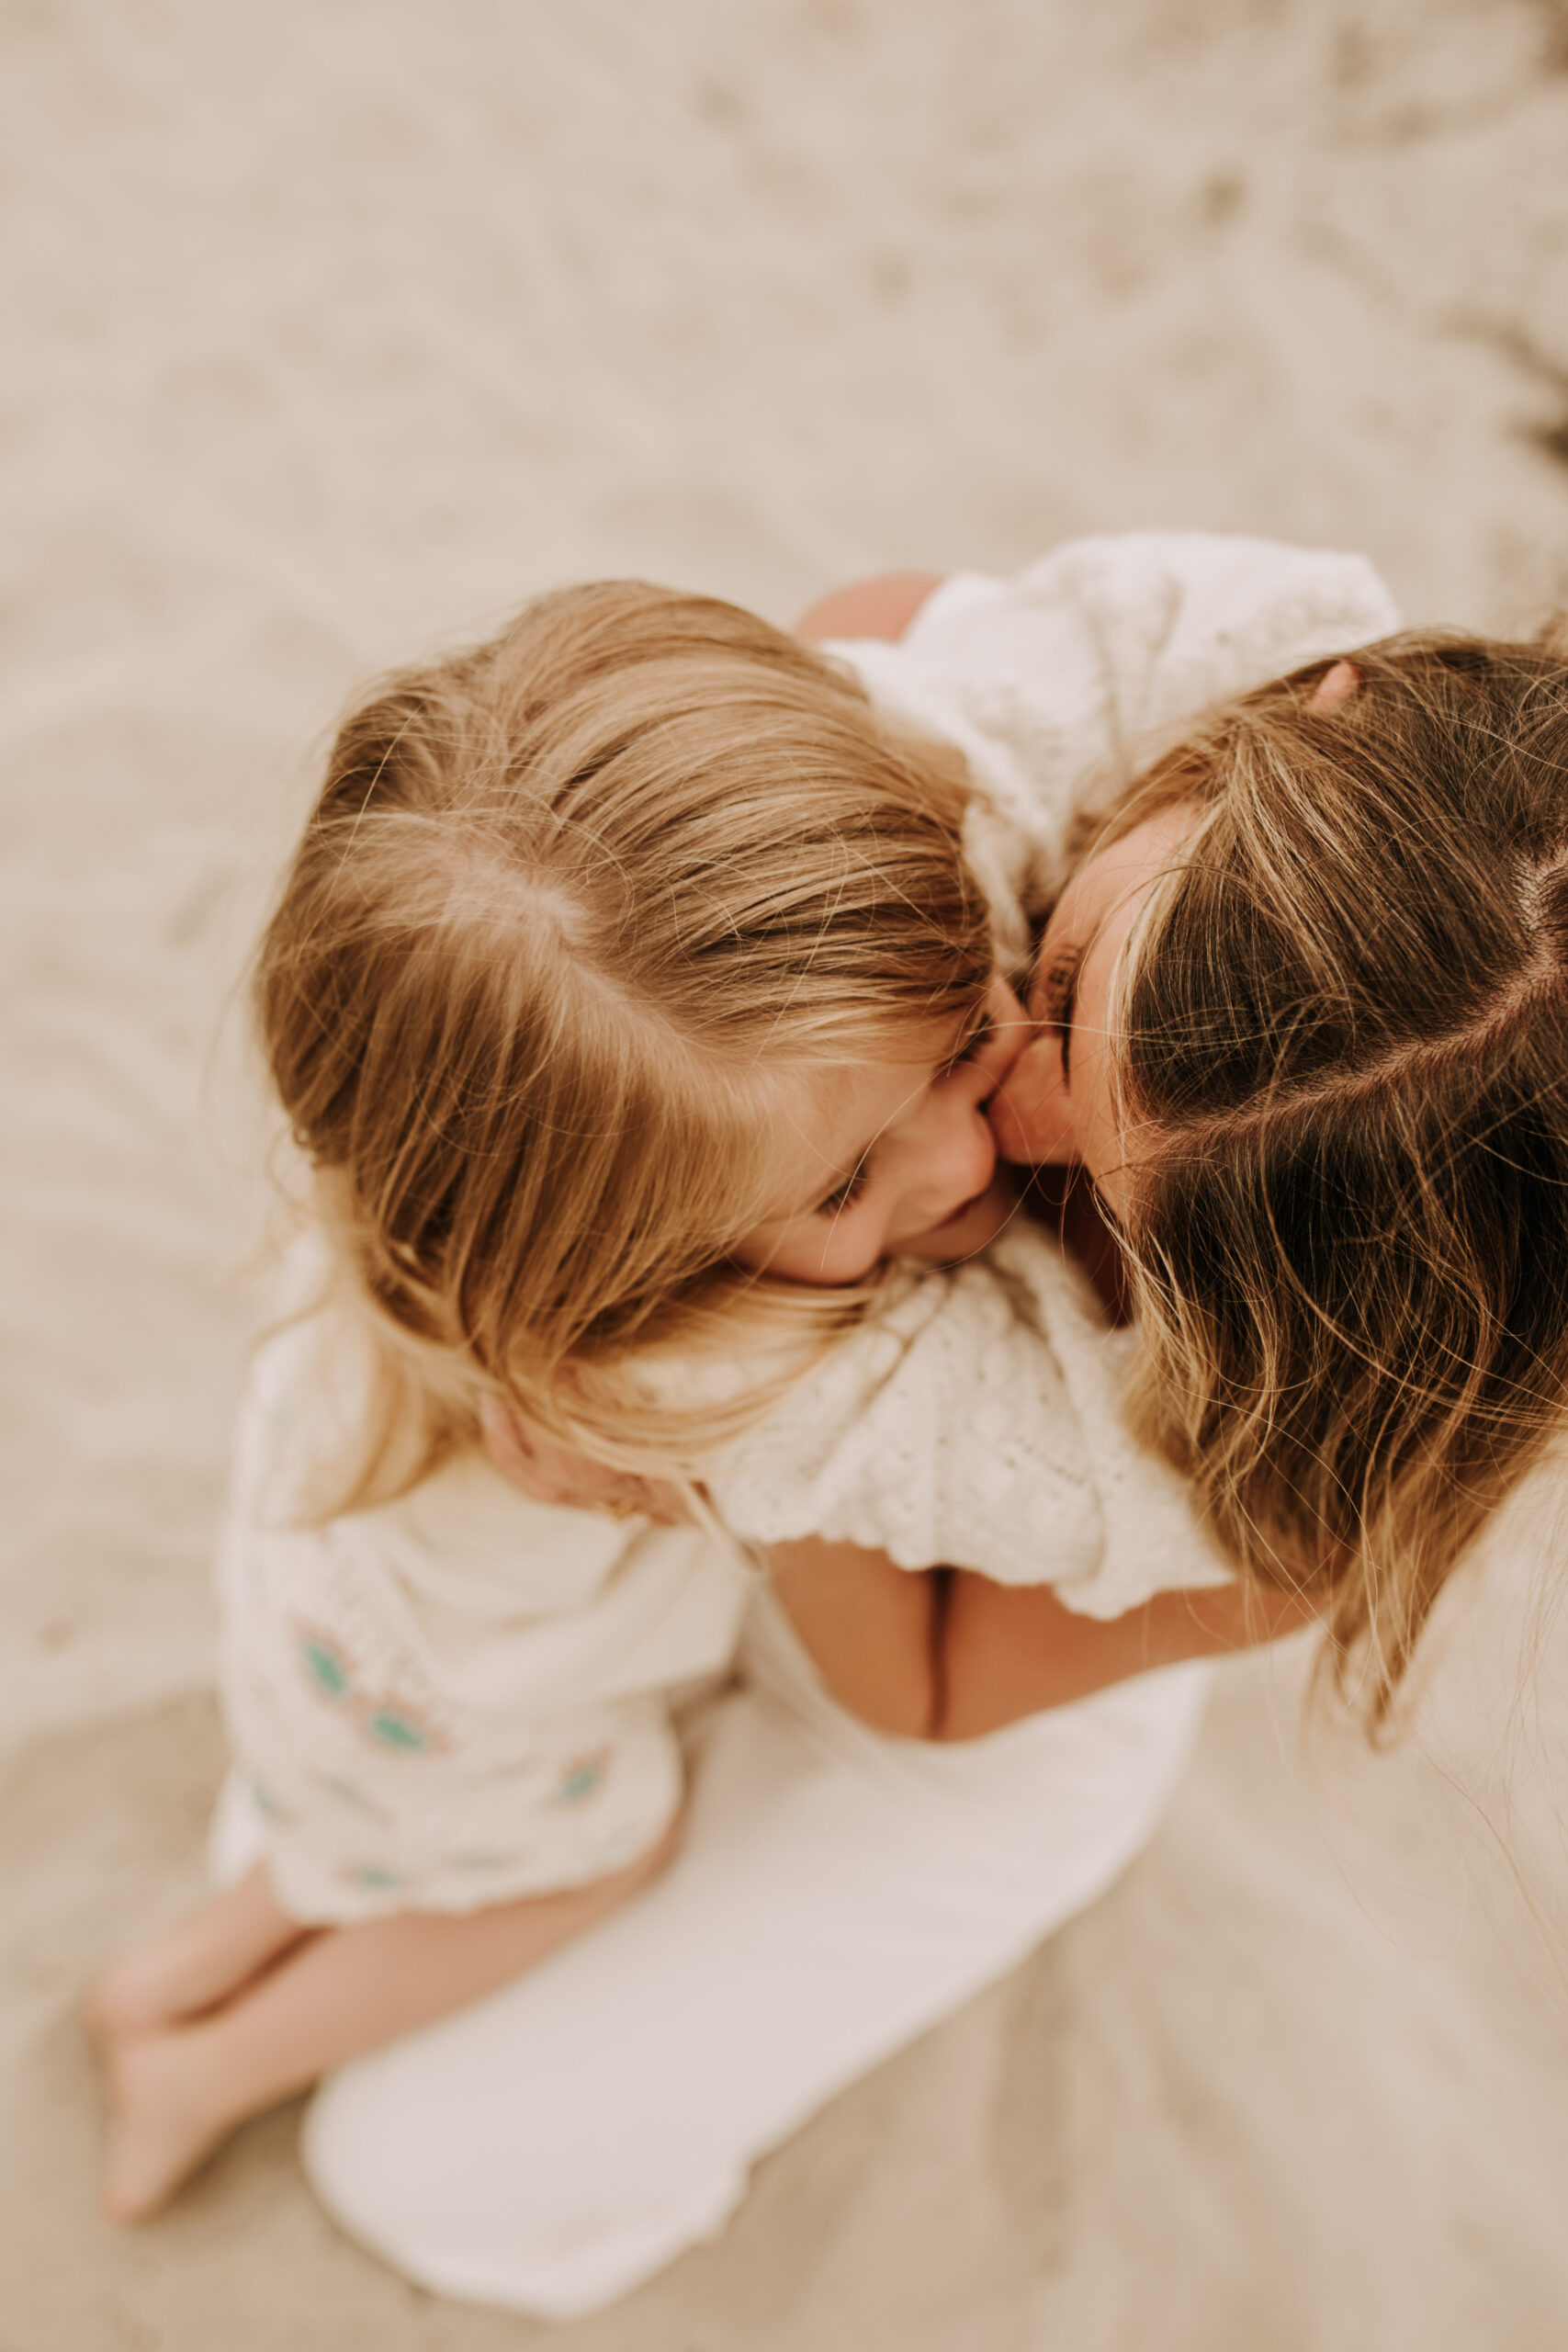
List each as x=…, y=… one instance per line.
x=549, y=1473
x=240, y=2006
x=948, y=1655
x=1014, y=1650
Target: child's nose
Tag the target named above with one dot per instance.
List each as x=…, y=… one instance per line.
x=959, y=1154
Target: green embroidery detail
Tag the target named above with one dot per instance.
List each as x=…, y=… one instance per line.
x=372, y=1875
x=580, y=1780
x=325, y=1668
x=346, y=1791
x=396, y=1731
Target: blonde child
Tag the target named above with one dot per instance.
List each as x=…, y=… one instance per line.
x=630, y=966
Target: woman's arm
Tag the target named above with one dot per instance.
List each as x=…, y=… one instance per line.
x=881, y=608
x=947, y=1654
x=1009, y=1651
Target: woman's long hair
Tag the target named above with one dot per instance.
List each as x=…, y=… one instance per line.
x=1343, y=1028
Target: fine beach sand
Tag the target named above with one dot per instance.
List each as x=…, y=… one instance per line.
x=332, y=331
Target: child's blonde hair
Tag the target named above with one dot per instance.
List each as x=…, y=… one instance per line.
x=1344, y=1028
x=568, y=906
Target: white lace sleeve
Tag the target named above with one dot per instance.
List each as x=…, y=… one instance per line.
x=973, y=1423
x=1071, y=668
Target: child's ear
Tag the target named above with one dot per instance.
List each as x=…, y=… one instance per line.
x=1335, y=686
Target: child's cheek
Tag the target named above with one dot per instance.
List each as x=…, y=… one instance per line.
x=823, y=1256
x=847, y=1259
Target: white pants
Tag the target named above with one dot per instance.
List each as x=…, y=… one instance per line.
x=551, y=2146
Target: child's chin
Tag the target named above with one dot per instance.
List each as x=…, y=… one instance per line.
x=966, y=1236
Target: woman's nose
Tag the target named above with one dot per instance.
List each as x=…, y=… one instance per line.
x=1030, y=1114
x=1009, y=1032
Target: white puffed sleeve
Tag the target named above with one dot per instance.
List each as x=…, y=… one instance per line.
x=974, y=1423
x=1078, y=665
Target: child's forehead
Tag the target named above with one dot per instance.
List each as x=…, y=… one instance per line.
x=825, y=1116
x=902, y=1055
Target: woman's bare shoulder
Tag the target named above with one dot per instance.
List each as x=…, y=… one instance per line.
x=881, y=608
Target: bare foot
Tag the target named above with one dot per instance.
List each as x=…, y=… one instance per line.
x=162, y=2118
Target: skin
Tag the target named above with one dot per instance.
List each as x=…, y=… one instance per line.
x=881, y=608
x=238, y=2006
x=1055, y=1104
x=905, y=1135
x=945, y=1655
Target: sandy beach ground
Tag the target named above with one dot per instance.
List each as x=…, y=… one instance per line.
x=332, y=331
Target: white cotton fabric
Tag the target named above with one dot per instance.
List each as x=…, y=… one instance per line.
x=459, y=1697
x=835, y=1894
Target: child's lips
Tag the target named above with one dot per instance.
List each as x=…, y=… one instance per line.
x=960, y=1212
x=963, y=1208
x=969, y=1229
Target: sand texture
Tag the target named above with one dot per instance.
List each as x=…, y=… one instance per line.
x=332, y=331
